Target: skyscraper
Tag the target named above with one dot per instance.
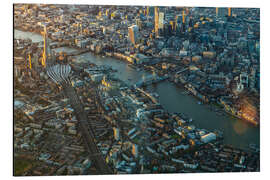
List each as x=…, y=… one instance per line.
x=150, y=11
x=135, y=150
x=223, y=12
x=45, y=49
x=29, y=61
x=161, y=20
x=183, y=16
x=116, y=133
x=133, y=33
x=156, y=21
x=139, y=23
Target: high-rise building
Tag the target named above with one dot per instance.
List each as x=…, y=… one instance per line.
x=183, y=16
x=156, y=21
x=29, y=61
x=150, y=11
x=45, y=47
x=133, y=33
x=135, y=150
x=223, y=12
x=116, y=134
x=161, y=20
x=177, y=24
x=139, y=23
x=229, y=11
x=107, y=12
x=172, y=23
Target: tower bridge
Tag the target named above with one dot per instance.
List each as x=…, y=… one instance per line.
x=150, y=79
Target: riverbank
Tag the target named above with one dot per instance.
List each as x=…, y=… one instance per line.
x=236, y=132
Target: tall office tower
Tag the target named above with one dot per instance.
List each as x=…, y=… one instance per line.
x=145, y=11
x=150, y=11
x=176, y=22
x=172, y=23
x=135, y=150
x=161, y=20
x=229, y=11
x=139, y=23
x=80, y=29
x=45, y=49
x=190, y=23
x=222, y=12
x=183, y=16
x=133, y=33
x=107, y=12
x=29, y=61
x=116, y=134
x=156, y=21
x=179, y=25
x=187, y=11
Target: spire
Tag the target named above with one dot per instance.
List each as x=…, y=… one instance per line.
x=46, y=48
x=44, y=58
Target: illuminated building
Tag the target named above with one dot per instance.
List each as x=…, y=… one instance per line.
x=133, y=33
x=30, y=63
x=150, y=11
x=46, y=48
x=183, y=16
x=105, y=83
x=172, y=23
x=139, y=23
x=135, y=150
x=223, y=12
x=229, y=11
x=161, y=20
x=177, y=25
x=116, y=134
x=156, y=21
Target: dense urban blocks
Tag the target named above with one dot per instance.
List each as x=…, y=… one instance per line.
x=135, y=89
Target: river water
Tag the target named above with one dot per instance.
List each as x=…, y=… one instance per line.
x=236, y=132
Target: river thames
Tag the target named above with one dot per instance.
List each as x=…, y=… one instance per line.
x=174, y=99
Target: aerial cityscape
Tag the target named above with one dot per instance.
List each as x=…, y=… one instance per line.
x=106, y=89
